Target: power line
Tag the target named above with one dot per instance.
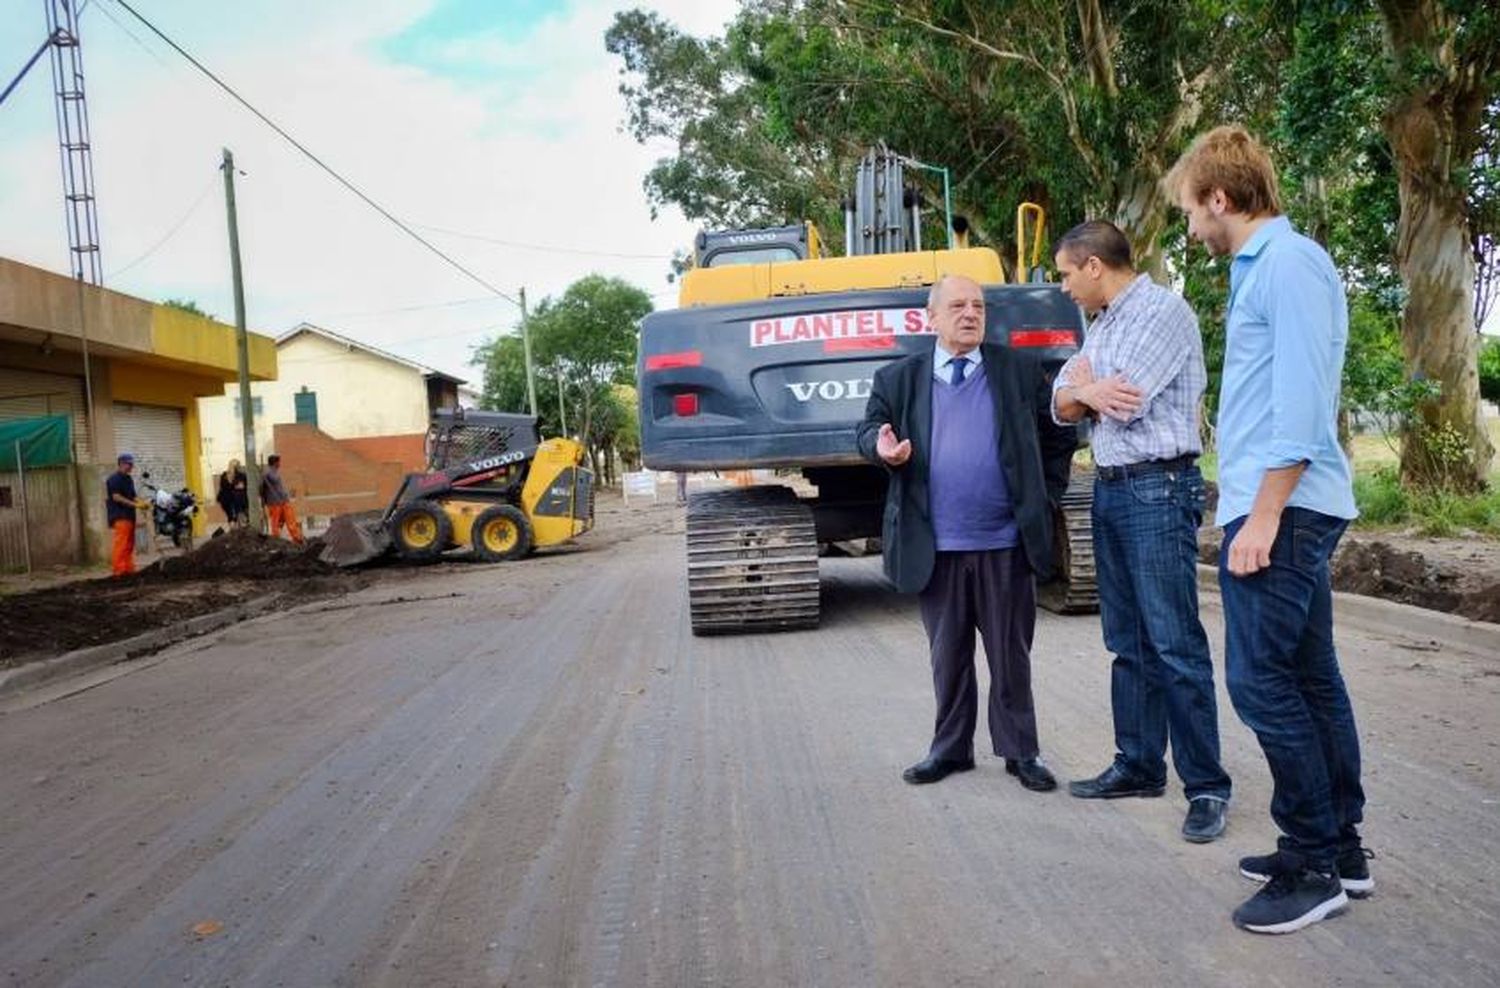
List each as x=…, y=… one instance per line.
x=314, y=158
x=541, y=247
x=422, y=307
x=207, y=188
x=132, y=36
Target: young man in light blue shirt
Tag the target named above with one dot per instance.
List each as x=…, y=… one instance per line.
x=1285, y=497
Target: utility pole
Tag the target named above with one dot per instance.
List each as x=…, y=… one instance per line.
x=242, y=346
x=562, y=415
x=526, y=351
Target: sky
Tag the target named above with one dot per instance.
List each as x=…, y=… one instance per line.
x=471, y=120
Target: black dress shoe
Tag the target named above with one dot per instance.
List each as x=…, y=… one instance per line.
x=1206, y=818
x=1115, y=783
x=936, y=770
x=1032, y=773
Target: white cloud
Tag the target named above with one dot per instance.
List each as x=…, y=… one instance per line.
x=531, y=153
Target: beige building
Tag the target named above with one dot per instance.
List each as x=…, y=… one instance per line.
x=148, y=365
x=376, y=402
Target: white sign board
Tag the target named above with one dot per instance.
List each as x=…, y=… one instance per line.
x=638, y=485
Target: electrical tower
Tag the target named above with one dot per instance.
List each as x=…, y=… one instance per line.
x=73, y=140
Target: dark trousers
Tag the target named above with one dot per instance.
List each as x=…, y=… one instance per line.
x=995, y=592
x=1283, y=676
x=1162, y=679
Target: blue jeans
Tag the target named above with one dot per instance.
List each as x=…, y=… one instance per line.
x=1283, y=676
x=1162, y=680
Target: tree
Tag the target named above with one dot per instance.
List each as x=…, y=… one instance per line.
x=1445, y=75
x=1076, y=106
x=1489, y=369
x=583, y=345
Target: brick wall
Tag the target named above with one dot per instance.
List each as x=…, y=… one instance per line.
x=331, y=476
x=410, y=451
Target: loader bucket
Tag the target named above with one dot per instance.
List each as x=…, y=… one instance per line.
x=355, y=539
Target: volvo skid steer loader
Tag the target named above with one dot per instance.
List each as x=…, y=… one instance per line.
x=491, y=485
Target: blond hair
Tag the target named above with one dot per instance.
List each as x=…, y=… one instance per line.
x=1230, y=159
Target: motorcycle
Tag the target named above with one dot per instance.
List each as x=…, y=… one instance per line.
x=172, y=513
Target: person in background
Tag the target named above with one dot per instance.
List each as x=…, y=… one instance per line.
x=234, y=495
x=278, y=501
x=120, y=506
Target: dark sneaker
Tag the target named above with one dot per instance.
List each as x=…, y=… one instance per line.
x=1352, y=864
x=1291, y=901
x=1206, y=819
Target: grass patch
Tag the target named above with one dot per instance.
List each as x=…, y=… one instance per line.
x=1383, y=502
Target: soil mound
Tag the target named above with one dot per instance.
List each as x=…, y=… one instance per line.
x=1466, y=584
x=1375, y=569
x=242, y=553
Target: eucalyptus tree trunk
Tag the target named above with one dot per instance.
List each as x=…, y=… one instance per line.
x=1428, y=127
x=1140, y=211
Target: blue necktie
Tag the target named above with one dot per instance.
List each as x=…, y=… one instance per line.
x=960, y=365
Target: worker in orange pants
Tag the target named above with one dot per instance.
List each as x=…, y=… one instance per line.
x=120, y=505
x=278, y=501
x=284, y=515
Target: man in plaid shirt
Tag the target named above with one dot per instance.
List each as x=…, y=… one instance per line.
x=1140, y=376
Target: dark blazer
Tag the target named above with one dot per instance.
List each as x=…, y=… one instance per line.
x=1035, y=452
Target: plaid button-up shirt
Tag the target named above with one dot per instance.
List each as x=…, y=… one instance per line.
x=1149, y=335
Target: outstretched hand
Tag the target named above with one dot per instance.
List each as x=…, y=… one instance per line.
x=894, y=453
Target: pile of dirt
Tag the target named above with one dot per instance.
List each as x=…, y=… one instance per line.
x=94, y=612
x=1377, y=569
x=231, y=569
x=1426, y=573
x=242, y=553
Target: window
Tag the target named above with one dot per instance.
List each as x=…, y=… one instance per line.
x=752, y=255
x=257, y=407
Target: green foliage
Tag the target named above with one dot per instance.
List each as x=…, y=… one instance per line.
x=1380, y=498
x=1384, y=502
x=1489, y=368
x=187, y=305
x=1021, y=101
x=583, y=347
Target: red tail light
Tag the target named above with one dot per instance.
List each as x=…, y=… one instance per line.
x=685, y=405
x=666, y=361
x=1043, y=337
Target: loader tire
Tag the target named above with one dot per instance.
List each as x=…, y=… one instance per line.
x=502, y=533
x=421, y=531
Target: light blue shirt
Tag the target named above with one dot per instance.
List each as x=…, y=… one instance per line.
x=942, y=363
x=1288, y=326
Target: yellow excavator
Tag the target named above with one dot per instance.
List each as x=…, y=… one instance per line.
x=492, y=485
x=767, y=362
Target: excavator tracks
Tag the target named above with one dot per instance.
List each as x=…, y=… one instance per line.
x=752, y=560
x=1076, y=588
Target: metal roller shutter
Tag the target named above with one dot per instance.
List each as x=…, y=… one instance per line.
x=27, y=394
x=154, y=435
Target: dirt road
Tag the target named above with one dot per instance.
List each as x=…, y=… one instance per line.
x=532, y=774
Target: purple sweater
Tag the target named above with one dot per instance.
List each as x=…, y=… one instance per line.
x=971, y=506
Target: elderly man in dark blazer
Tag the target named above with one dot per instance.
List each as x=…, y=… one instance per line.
x=975, y=461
